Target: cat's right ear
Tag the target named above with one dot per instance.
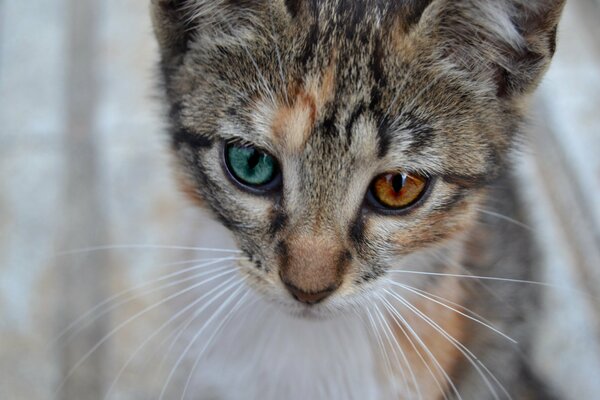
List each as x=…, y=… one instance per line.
x=179, y=23
x=172, y=26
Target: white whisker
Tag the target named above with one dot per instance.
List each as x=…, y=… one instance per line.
x=455, y=264
x=136, y=288
x=168, y=322
x=505, y=218
x=418, y=292
x=476, y=277
x=379, y=340
x=474, y=360
x=128, y=321
x=395, y=345
x=217, y=330
x=142, y=247
x=196, y=336
x=402, y=322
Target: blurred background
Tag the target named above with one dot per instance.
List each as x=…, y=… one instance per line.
x=84, y=162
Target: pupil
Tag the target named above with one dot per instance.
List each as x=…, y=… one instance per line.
x=398, y=182
x=254, y=159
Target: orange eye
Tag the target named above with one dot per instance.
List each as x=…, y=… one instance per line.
x=397, y=191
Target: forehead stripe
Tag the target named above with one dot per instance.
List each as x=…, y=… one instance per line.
x=384, y=137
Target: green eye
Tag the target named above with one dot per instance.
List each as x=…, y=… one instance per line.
x=252, y=167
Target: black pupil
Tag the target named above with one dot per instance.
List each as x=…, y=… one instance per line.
x=398, y=182
x=254, y=159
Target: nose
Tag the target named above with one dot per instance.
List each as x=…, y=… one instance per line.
x=309, y=298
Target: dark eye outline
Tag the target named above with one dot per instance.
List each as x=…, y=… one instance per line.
x=374, y=204
x=270, y=187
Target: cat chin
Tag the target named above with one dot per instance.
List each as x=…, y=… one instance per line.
x=311, y=314
x=330, y=310
x=337, y=306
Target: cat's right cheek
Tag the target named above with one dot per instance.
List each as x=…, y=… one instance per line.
x=189, y=188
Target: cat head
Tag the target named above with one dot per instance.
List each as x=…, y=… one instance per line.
x=339, y=139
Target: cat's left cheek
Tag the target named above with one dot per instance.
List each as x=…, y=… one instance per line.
x=445, y=220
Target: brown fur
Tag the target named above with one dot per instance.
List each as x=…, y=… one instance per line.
x=313, y=264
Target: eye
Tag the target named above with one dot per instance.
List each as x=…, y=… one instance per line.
x=397, y=191
x=251, y=167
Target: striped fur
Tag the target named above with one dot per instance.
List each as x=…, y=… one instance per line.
x=340, y=91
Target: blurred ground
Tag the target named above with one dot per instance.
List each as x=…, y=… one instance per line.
x=83, y=162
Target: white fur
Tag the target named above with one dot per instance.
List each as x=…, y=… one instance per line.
x=262, y=352
x=271, y=355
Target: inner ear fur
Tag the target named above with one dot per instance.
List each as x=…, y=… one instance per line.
x=509, y=42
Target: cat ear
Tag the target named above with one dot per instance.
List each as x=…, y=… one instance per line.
x=177, y=23
x=410, y=12
x=171, y=26
x=510, y=41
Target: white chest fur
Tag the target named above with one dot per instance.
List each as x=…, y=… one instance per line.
x=264, y=353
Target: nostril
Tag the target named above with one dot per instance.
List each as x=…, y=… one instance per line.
x=309, y=297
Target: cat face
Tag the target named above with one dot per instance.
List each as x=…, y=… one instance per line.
x=338, y=140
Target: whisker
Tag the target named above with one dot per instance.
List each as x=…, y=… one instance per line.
x=379, y=340
x=417, y=292
x=141, y=247
x=474, y=360
x=217, y=330
x=394, y=344
x=456, y=264
x=168, y=322
x=476, y=277
x=264, y=314
x=171, y=337
x=345, y=383
x=459, y=306
x=387, y=335
x=94, y=310
x=505, y=218
x=497, y=279
x=196, y=336
x=180, y=330
x=128, y=321
x=402, y=323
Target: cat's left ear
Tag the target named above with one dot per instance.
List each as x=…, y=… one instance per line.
x=510, y=41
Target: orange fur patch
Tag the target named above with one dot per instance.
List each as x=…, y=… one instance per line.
x=293, y=124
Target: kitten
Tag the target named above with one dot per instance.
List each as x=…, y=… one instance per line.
x=359, y=152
